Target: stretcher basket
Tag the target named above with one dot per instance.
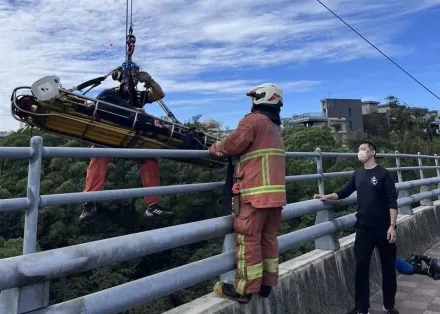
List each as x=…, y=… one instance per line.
x=48, y=106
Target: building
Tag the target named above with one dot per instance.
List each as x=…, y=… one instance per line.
x=338, y=126
x=344, y=116
x=370, y=106
x=350, y=109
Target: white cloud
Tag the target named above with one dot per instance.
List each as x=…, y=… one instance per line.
x=189, y=47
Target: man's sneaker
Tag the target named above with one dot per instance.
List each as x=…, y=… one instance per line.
x=89, y=210
x=154, y=211
x=227, y=291
x=390, y=311
x=265, y=291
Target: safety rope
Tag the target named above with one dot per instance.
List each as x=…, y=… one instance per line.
x=129, y=66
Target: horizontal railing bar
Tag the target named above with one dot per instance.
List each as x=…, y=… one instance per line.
x=292, y=211
x=135, y=293
x=295, y=238
x=81, y=197
x=416, y=183
x=303, y=177
x=337, y=174
x=429, y=167
x=417, y=167
x=301, y=154
x=86, y=152
x=16, y=152
x=14, y=204
x=336, y=154
x=42, y=266
x=407, y=155
x=52, y=264
x=407, y=200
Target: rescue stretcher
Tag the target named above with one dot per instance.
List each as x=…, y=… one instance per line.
x=50, y=107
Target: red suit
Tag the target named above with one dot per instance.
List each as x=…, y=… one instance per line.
x=260, y=177
x=97, y=173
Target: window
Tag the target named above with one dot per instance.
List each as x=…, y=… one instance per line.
x=349, y=112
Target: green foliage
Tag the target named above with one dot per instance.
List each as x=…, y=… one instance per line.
x=58, y=226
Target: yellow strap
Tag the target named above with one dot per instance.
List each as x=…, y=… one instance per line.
x=264, y=189
x=254, y=271
x=270, y=265
x=263, y=152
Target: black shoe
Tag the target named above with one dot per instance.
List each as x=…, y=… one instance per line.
x=265, y=291
x=156, y=212
x=227, y=291
x=89, y=210
x=390, y=311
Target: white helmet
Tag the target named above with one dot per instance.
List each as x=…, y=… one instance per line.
x=267, y=94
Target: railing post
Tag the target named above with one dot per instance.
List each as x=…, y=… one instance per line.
x=228, y=246
x=328, y=242
x=438, y=171
x=423, y=188
x=406, y=209
x=36, y=296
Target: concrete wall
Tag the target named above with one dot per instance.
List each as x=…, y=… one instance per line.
x=323, y=281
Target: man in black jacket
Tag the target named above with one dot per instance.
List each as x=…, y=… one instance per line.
x=375, y=226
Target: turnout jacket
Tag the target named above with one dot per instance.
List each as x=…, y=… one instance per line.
x=261, y=169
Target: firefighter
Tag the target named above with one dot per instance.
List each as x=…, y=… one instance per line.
x=260, y=180
x=148, y=168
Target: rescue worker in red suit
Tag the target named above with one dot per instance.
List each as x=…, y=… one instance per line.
x=148, y=168
x=260, y=179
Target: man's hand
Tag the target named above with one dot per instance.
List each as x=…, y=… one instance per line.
x=326, y=197
x=391, y=234
x=213, y=150
x=321, y=197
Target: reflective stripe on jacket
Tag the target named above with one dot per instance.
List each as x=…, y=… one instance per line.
x=261, y=169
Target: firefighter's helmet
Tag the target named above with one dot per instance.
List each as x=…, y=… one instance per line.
x=267, y=94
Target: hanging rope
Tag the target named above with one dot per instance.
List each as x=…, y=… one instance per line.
x=128, y=66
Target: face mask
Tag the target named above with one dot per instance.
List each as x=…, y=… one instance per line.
x=362, y=156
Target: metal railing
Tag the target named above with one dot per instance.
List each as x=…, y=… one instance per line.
x=308, y=115
x=24, y=279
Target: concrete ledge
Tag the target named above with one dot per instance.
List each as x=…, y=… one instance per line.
x=323, y=281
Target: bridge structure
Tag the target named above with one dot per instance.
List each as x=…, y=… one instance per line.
x=320, y=281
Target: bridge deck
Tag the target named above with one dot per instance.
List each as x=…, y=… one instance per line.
x=416, y=294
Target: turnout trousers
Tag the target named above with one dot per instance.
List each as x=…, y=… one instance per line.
x=366, y=240
x=256, y=247
x=97, y=173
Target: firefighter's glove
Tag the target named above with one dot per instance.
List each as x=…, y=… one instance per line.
x=144, y=77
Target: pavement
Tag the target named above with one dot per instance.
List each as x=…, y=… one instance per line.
x=416, y=294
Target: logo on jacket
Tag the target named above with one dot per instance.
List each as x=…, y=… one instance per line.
x=374, y=180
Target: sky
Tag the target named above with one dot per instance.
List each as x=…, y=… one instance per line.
x=206, y=54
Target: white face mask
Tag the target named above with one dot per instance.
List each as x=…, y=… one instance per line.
x=362, y=156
